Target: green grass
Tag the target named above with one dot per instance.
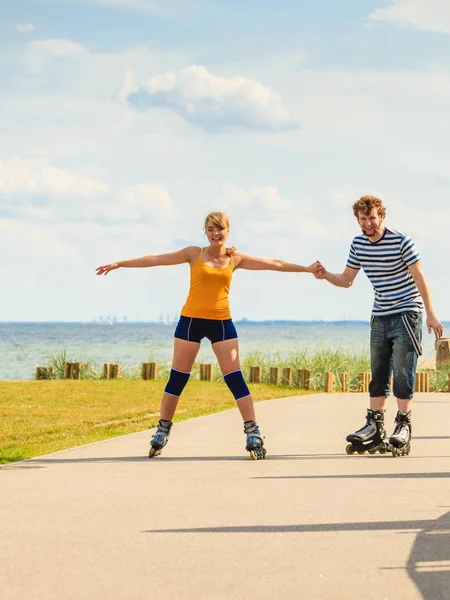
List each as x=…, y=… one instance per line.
x=39, y=417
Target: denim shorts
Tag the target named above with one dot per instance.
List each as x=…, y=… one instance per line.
x=395, y=344
x=192, y=329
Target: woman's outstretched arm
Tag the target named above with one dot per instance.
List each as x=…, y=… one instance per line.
x=152, y=260
x=253, y=263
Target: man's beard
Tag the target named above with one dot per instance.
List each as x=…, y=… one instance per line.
x=374, y=232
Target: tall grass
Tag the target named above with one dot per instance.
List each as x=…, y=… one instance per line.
x=335, y=360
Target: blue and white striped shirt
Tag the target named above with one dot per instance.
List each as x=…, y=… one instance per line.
x=385, y=263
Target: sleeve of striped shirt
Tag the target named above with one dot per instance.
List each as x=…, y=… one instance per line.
x=353, y=260
x=409, y=251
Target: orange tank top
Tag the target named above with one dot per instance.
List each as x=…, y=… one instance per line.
x=208, y=292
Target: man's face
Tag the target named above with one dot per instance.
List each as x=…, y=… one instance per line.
x=370, y=223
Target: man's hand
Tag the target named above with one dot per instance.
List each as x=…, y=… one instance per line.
x=314, y=268
x=320, y=272
x=434, y=324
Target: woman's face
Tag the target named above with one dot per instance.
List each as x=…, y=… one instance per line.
x=217, y=236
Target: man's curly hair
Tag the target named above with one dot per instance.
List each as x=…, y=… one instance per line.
x=366, y=204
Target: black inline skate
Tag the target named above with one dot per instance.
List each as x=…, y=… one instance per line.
x=371, y=437
x=400, y=440
x=255, y=441
x=160, y=438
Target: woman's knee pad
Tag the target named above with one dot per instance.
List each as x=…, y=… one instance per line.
x=235, y=381
x=177, y=382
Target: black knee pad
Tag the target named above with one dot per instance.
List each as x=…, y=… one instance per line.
x=235, y=381
x=177, y=382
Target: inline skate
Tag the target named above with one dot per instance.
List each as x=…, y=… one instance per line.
x=399, y=441
x=371, y=437
x=160, y=438
x=255, y=441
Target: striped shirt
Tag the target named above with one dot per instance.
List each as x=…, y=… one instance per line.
x=385, y=263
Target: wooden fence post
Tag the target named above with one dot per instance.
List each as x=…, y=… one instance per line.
x=106, y=370
x=422, y=383
x=255, y=374
x=206, y=372
x=329, y=381
x=343, y=377
x=303, y=377
x=149, y=370
x=364, y=380
x=43, y=372
x=287, y=376
x=274, y=376
x=72, y=370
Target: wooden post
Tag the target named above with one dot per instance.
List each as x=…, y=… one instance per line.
x=43, y=372
x=329, y=381
x=287, y=376
x=274, y=376
x=343, y=377
x=209, y=372
x=206, y=372
x=67, y=370
x=149, y=370
x=303, y=378
x=255, y=374
x=72, y=370
x=364, y=380
x=106, y=370
x=422, y=382
x=114, y=371
x=442, y=352
x=448, y=384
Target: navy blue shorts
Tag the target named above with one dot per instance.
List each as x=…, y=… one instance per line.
x=194, y=330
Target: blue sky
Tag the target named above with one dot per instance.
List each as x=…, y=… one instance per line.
x=124, y=122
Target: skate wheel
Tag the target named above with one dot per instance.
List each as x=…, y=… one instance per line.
x=372, y=451
x=382, y=450
x=360, y=451
x=253, y=455
x=154, y=452
x=350, y=449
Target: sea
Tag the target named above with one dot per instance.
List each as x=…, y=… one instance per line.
x=24, y=346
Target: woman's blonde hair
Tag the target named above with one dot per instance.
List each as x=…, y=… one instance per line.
x=220, y=219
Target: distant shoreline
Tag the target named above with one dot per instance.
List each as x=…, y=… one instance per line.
x=237, y=322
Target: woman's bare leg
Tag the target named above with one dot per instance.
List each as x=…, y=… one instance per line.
x=227, y=354
x=184, y=355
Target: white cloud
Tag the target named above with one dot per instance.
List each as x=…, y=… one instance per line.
x=41, y=54
x=141, y=203
x=213, y=102
x=30, y=243
x=429, y=15
x=25, y=27
x=37, y=190
x=173, y=8
x=266, y=198
x=37, y=176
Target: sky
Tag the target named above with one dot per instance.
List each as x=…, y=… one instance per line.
x=125, y=122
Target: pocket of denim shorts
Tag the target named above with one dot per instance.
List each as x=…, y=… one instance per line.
x=413, y=319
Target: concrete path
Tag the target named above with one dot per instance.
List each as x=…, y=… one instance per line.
x=203, y=521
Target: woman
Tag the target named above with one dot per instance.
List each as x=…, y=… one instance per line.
x=206, y=313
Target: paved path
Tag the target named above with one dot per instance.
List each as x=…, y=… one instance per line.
x=203, y=521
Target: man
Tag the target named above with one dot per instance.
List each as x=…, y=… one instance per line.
x=392, y=263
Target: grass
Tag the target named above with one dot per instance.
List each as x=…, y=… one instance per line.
x=39, y=417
